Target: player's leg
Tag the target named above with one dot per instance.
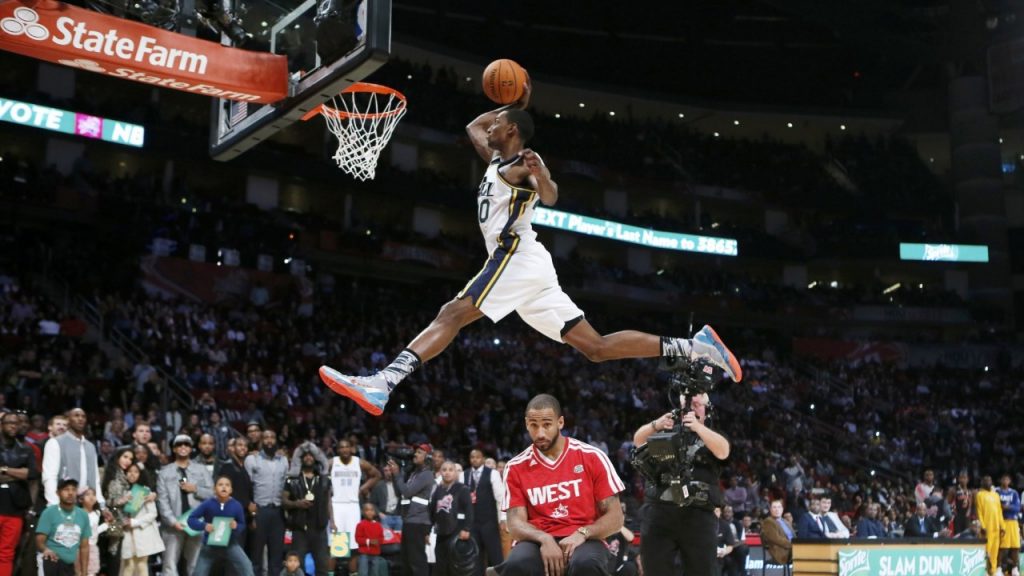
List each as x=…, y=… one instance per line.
x=453, y=317
x=589, y=559
x=371, y=392
x=523, y=560
x=705, y=344
x=552, y=313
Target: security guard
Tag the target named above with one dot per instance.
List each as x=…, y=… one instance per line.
x=680, y=519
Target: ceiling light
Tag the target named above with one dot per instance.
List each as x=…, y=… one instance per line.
x=582, y=105
x=716, y=134
x=812, y=284
x=842, y=126
x=735, y=122
x=892, y=288
x=789, y=124
x=834, y=284
x=611, y=113
x=557, y=115
x=681, y=115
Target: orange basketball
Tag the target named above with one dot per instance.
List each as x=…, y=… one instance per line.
x=504, y=81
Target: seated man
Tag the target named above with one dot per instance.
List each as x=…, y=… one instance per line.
x=562, y=501
x=736, y=561
x=834, y=527
x=810, y=524
x=921, y=525
x=777, y=535
x=868, y=526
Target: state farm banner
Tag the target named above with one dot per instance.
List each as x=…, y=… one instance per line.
x=63, y=34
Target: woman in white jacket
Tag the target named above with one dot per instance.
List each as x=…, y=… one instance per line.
x=141, y=535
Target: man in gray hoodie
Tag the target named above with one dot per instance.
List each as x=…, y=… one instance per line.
x=416, y=489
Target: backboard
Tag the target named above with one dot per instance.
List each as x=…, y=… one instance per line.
x=284, y=28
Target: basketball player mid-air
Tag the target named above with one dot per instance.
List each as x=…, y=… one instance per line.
x=519, y=275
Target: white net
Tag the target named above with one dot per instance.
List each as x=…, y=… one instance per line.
x=363, y=121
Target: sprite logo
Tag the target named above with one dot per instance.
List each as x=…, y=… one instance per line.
x=853, y=563
x=941, y=252
x=972, y=562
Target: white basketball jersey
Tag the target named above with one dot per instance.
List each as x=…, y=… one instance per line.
x=345, y=480
x=504, y=210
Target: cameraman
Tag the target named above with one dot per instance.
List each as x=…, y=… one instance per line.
x=688, y=528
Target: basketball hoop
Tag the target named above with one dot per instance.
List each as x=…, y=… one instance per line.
x=362, y=117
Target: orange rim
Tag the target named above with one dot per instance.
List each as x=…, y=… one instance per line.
x=326, y=110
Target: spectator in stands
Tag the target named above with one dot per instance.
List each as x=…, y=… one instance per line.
x=58, y=425
x=386, y=497
x=488, y=519
x=17, y=471
x=241, y=485
x=63, y=533
x=307, y=500
x=794, y=477
x=777, y=534
x=142, y=537
x=370, y=535
x=736, y=495
x=71, y=455
x=416, y=488
x=924, y=488
x=181, y=486
x=810, y=525
x=254, y=433
x=221, y=433
x=963, y=509
x=973, y=532
x=725, y=541
x=735, y=561
x=221, y=505
x=206, y=455
x=451, y=513
x=268, y=471
x=869, y=526
x=921, y=525
x=834, y=527
x=118, y=490
x=437, y=459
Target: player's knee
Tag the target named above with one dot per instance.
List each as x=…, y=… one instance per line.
x=451, y=313
x=588, y=564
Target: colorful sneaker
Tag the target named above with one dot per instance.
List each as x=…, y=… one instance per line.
x=707, y=344
x=371, y=393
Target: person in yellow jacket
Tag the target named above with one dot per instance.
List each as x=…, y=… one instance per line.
x=990, y=514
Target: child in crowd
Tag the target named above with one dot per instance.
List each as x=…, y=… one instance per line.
x=59, y=534
x=222, y=505
x=87, y=500
x=369, y=534
x=141, y=535
x=292, y=565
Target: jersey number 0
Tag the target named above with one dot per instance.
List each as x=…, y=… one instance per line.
x=483, y=210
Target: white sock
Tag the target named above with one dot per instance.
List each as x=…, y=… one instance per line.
x=404, y=364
